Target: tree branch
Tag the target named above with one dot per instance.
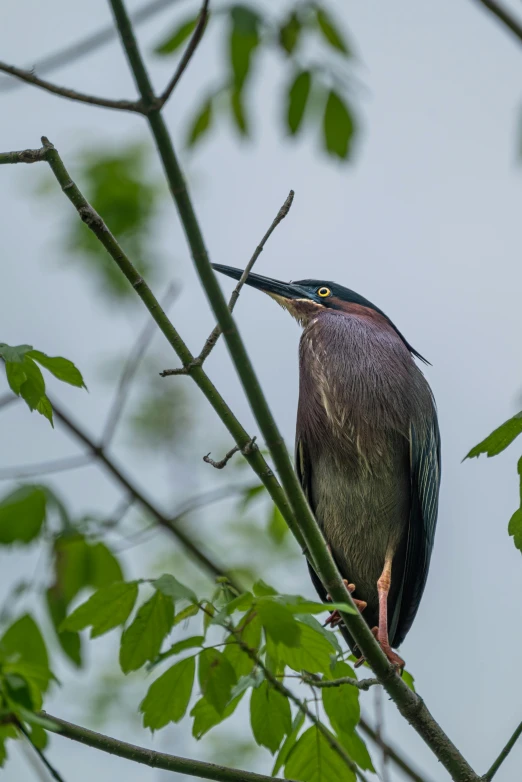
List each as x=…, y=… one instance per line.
x=302, y=522
x=64, y=92
x=223, y=462
x=193, y=768
x=50, y=768
x=44, y=468
x=361, y=684
x=85, y=46
x=196, y=37
x=488, y=776
x=216, y=332
x=504, y=16
x=93, y=220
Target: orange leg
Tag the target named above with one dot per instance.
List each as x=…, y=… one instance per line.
x=381, y=632
x=335, y=617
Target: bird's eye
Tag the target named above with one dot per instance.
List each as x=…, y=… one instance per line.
x=324, y=292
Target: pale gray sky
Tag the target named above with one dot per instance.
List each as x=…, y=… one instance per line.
x=425, y=223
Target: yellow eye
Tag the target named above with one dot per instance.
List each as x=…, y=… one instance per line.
x=324, y=292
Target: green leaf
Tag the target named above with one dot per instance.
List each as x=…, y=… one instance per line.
x=342, y=703
x=239, y=603
x=6, y=732
x=177, y=36
x=187, y=643
x=238, y=111
x=187, y=612
x=216, y=678
x=243, y=41
x=270, y=716
x=288, y=743
x=313, y=653
x=14, y=354
x=330, y=636
x=60, y=367
x=39, y=737
x=69, y=642
x=253, y=679
x=201, y=123
x=142, y=640
x=102, y=566
x=357, y=750
x=168, y=697
x=313, y=760
x=104, y=610
x=408, y=679
x=279, y=622
x=250, y=494
x=290, y=33
x=45, y=408
x=515, y=528
x=338, y=127
x=250, y=634
x=171, y=587
x=261, y=589
x=499, y=439
x=331, y=32
x=206, y=717
x=24, y=640
x=22, y=514
x=298, y=605
x=19, y=692
x=298, y=94
x=277, y=527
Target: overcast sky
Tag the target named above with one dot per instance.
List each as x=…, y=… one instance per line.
x=425, y=223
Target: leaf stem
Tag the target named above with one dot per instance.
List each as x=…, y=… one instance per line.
x=488, y=776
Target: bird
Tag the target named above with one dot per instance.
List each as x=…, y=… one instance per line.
x=367, y=450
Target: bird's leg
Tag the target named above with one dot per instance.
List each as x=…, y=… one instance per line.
x=381, y=632
x=335, y=618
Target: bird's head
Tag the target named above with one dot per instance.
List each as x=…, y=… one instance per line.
x=305, y=299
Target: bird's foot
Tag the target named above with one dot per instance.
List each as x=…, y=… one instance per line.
x=335, y=619
x=392, y=656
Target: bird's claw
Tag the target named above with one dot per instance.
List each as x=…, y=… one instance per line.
x=392, y=656
x=335, y=618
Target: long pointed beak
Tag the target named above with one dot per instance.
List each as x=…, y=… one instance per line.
x=284, y=290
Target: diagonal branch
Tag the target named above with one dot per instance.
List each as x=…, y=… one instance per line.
x=44, y=468
x=216, y=332
x=85, y=46
x=196, y=37
x=391, y=752
x=504, y=16
x=503, y=755
x=64, y=92
x=193, y=768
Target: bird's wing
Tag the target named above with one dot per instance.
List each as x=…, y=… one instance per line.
x=425, y=481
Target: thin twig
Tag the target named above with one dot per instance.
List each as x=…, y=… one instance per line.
x=379, y=727
x=488, y=776
x=129, y=370
x=216, y=332
x=65, y=92
x=223, y=462
x=85, y=46
x=50, y=768
x=504, y=16
x=196, y=37
x=361, y=684
x=194, y=768
x=44, y=468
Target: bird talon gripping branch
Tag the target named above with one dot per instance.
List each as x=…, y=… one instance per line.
x=367, y=450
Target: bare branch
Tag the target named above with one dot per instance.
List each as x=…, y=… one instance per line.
x=504, y=16
x=196, y=37
x=392, y=753
x=223, y=462
x=50, y=768
x=130, y=369
x=503, y=755
x=361, y=684
x=194, y=768
x=216, y=332
x=85, y=46
x=64, y=92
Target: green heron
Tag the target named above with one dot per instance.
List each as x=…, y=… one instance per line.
x=367, y=449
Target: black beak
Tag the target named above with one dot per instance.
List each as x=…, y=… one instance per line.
x=286, y=290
